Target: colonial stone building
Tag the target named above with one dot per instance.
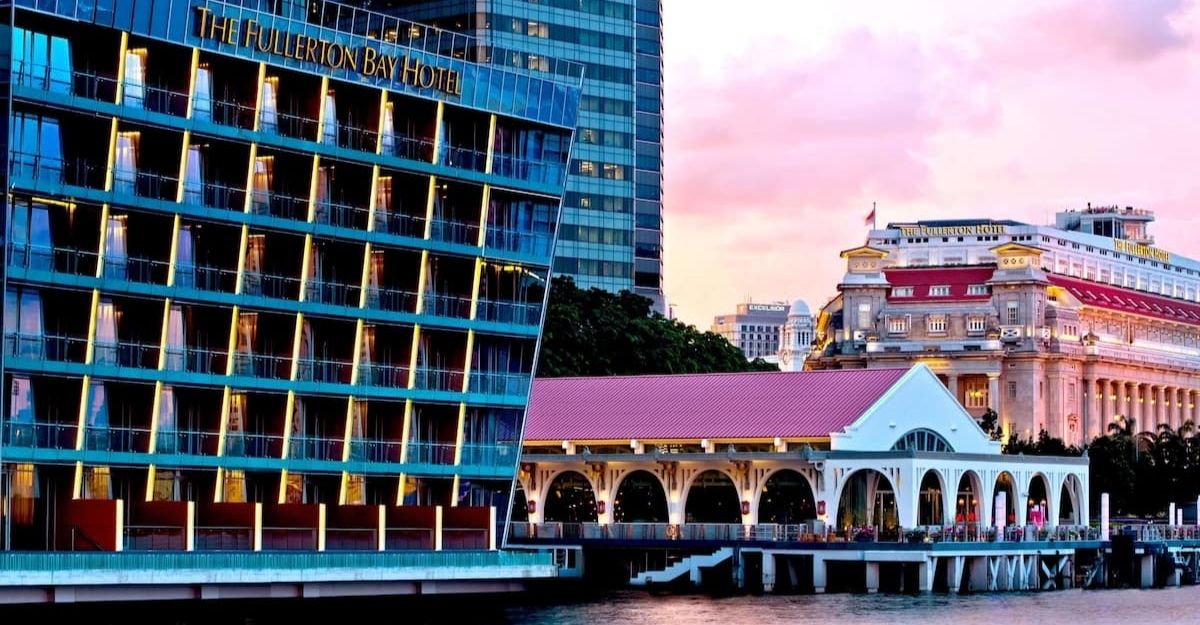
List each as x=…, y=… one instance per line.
x=1055, y=329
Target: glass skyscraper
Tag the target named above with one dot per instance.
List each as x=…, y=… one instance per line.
x=611, y=235
x=275, y=276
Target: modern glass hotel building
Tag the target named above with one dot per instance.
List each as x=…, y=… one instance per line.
x=275, y=276
x=611, y=236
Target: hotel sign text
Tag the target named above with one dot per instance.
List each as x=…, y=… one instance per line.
x=1144, y=251
x=364, y=60
x=947, y=231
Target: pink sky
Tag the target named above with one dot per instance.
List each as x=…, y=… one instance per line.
x=787, y=119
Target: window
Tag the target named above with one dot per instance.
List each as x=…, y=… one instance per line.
x=922, y=440
x=1012, y=390
x=976, y=394
x=976, y=324
x=864, y=316
x=977, y=289
x=1013, y=314
x=898, y=325
x=939, y=290
x=902, y=291
x=936, y=324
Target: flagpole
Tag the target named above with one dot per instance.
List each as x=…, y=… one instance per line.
x=873, y=216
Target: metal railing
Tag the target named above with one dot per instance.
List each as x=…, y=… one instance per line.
x=258, y=561
x=796, y=533
x=218, y=538
x=501, y=311
x=315, y=448
x=518, y=241
x=500, y=383
x=383, y=375
x=262, y=365
x=333, y=293
x=271, y=285
x=454, y=231
x=411, y=148
x=400, y=224
x=432, y=379
x=341, y=214
x=463, y=158
x=455, y=306
x=265, y=202
x=48, y=347
x=394, y=300
x=323, y=370
x=430, y=453
x=155, y=538
x=544, y=172
x=251, y=445
x=40, y=435
x=52, y=258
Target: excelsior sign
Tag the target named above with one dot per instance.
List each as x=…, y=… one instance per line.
x=364, y=60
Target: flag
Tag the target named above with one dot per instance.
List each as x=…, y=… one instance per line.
x=870, y=220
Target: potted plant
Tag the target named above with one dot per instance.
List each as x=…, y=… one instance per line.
x=915, y=535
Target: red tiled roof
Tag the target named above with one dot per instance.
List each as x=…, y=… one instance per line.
x=921, y=278
x=1128, y=301
x=693, y=407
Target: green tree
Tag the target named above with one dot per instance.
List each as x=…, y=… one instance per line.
x=594, y=332
x=989, y=422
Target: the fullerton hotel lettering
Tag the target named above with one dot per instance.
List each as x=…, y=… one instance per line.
x=364, y=60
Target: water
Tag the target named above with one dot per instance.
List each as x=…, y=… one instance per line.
x=1077, y=607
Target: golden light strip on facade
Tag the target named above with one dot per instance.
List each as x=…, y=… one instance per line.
x=384, y=106
x=321, y=110
x=491, y=146
x=439, y=120
x=191, y=103
x=429, y=208
x=121, y=50
x=258, y=95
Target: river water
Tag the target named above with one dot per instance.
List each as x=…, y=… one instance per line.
x=1070, y=607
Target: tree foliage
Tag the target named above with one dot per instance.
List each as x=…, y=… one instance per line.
x=594, y=332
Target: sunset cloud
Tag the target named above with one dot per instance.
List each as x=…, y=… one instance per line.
x=780, y=135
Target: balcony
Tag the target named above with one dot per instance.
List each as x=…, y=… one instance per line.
x=431, y=453
x=446, y=306
x=196, y=360
x=541, y=172
x=247, y=445
x=463, y=158
x=497, y=383
x=55, y=259
x=39, y=435
x=315, y=448
x=262, y=366
x=518, y=313
x=319, y=370
x=341, y=215
x=46, y=347
x=279, y=205
x=536, y=244
x=383, y=375
x=130, y=354
x=454, y=232
x=332, y=293
x=393, y=300
x=431, y=379
x=488, y=455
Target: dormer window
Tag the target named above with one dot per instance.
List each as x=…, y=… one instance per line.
x=939, y=290
x=902, y=291
x=977, y=289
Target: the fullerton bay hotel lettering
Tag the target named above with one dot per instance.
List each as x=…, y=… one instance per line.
x=365, y=60
x=945, y=231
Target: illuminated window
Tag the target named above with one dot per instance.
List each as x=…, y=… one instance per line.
x=936, y=324
x=864, y=316
x=614, y=172
x=902, y=291
x=587, y=168
x=976, y=394
x=977, y=289
x=976, y=324
x=940, y=290
x=898, y=325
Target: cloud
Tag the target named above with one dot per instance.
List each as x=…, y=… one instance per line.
x=777, y=144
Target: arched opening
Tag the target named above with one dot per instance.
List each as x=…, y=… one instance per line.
x=640, y=499
x=967, y=507
x=712, y=498
x=1069, y=502
x=929, y=500
x=1037, y=503
x=922, y=439
x=868, y=500
x=520, y=506
x=570, y=500
x=1005, y=484
x=786, y=498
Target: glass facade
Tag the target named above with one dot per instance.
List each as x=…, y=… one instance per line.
x=276, y=276
x=612, y=212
